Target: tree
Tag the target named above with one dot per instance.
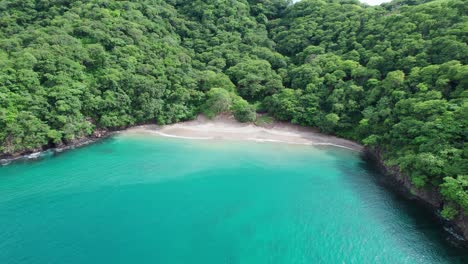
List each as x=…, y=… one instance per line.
x=454, y=190
x=255, y=79
x=328, y=122
x=218, y=101
x=242, y=110
x=210, y=79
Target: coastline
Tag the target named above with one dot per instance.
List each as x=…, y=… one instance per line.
x=223, y=127
x=32, y=154
x=227, y=128
x=430, y=197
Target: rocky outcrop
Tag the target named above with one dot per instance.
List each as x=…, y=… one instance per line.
x=429, y=197
x=36, y=153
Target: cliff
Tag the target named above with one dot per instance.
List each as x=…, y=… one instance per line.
x=429, y=197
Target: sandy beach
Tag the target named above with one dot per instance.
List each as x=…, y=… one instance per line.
x=225, y=127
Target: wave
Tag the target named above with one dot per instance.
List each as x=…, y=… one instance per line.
x=259, y=140
x=174, y=136
x=34, y=155
x=278, y=141
x=333, y=145
x=300, y=143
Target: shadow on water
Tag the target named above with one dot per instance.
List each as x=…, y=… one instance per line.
x=370, y=184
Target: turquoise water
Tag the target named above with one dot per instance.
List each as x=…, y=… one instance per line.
x=136, y=199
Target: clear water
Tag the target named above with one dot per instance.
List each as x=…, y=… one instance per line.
x=135, y=199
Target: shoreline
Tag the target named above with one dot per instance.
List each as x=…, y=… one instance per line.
x=38, y=153
x=222, y=127
x=430, y=198
x=226, y=128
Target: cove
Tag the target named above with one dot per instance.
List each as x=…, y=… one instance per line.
x=144, y=199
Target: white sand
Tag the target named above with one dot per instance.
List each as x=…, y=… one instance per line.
x=225, y=127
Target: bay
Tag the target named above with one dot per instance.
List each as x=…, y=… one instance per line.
x=144, y=199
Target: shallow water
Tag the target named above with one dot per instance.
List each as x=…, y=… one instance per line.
x=135, y=199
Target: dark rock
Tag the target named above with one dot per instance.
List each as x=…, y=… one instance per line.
x=429, y=197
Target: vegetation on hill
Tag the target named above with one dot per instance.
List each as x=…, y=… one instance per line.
x=394, y=76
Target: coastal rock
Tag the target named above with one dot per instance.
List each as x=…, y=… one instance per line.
x=99, y=133
x=429, y=197
x=7, y=158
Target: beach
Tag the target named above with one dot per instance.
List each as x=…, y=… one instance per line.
x=227, y=128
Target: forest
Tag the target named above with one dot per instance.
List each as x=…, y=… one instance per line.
x=393, y=77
